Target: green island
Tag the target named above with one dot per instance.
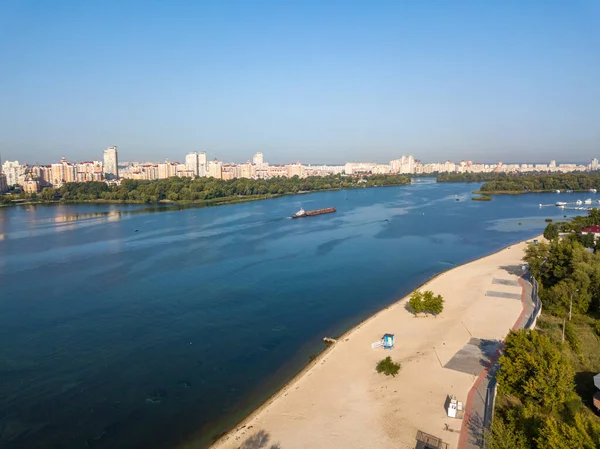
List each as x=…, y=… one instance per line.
x=545, y=377
x=477, y=177
x=576, y=182
x=208, y=191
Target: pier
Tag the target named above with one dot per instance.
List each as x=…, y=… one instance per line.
x=574, y=205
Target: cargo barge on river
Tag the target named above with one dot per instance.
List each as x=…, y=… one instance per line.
x=311, y=213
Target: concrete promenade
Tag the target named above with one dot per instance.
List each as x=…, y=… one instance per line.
x=479, y=406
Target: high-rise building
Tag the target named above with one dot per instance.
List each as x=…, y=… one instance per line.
x=258, y=159
x=202, y=166
x=111, y=163
x=12, y=170
x=192, y=163
x=3, y=183
x=594, y=164
x=215, y=169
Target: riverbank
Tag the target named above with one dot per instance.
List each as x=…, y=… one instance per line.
x=340, y=401
x=235, y=199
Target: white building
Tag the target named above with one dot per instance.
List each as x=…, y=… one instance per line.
x=215, y=169
x=258, y=159
x=111, y=163
x=202, y=166
x=192, y=163
x=12, y=170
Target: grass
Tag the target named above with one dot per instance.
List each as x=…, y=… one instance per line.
x=585, y=358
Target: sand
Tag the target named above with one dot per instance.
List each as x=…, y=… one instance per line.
x=340, y=401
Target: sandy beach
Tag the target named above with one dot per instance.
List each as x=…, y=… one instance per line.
x=340, y=401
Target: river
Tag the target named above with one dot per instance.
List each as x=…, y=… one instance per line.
x=127, y=326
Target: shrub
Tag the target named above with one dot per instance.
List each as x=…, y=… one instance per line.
x=416, y=302
x=388, y=367
x=597, y=327
x=433, y=304
x=426, y=302
x=571, y=337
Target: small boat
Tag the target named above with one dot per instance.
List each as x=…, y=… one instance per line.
x=310, y=213
x=560, y=203
x=593, y=190
x=557, y=191
x=569, y=191
x=579, y=202
x=588, y=201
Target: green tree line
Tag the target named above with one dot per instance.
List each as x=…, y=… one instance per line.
x=538, y=405
x=541, y=183
x=202, y=189
x=477, y=177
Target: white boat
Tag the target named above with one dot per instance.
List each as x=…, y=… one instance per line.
x=561, y=204
x=557, y=191
x=593, y=190
x=299, y=214
x=588, y=201
x=579, y=202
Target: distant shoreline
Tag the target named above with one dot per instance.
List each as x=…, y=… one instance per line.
x=203, y=203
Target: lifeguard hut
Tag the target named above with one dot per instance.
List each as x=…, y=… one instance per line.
x=387, y=341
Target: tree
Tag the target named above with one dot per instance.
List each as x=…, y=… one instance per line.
x=588, y=240
x=47, y=194
x=551, y=232
x=535, y=371
x=506, y=435
x=388, y=367
x=416, y=302
x=583, y=433
x=433, y=304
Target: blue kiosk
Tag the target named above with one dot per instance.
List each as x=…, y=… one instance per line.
x=388, y=341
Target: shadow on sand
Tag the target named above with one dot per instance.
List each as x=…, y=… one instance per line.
x=260, y=440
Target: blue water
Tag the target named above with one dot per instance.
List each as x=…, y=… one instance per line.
x=112, y=338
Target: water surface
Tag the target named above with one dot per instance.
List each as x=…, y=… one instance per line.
x=134, y=327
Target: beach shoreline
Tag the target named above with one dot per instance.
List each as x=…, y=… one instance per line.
x=221, y=441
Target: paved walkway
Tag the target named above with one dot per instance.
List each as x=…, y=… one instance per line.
x=478, y=410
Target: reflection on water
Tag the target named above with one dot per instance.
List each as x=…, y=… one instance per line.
x=132, y=326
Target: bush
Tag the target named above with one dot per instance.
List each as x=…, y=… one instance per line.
x=597, y=327
x=426, y=302
x=551, y=232
x=416, y=302
x=388, y=367
x=571, y=337
x=433, y=304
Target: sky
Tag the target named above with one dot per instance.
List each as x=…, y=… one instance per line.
x=324, y=81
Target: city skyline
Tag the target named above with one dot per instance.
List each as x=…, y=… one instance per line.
x=179, y=157
x=324, y=82
x=33, y=178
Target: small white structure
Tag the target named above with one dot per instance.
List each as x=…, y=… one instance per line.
x=455, y=409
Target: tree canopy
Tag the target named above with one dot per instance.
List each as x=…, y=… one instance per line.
x=541, y=183
x=534, y=370
x=426, y=302
x=203, y=189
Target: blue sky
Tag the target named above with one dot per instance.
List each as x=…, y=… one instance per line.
x=314, y=81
